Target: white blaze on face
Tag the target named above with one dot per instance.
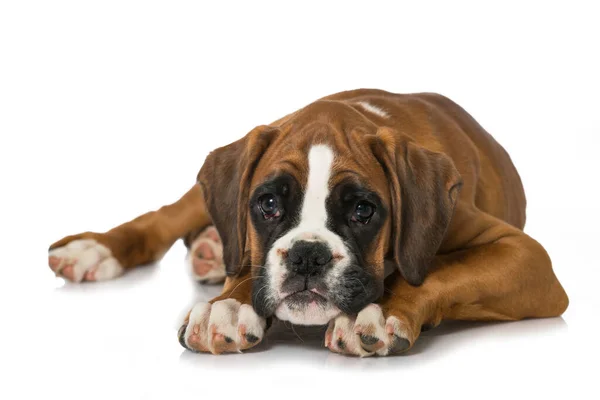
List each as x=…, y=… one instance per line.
x=313, y=218
x=311, y=227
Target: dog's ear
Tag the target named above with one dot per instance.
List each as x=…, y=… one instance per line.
x=225, y=179
x=424, y=188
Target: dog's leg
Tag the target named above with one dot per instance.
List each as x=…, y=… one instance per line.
x=503, y=275
x=226, y=324
x=94, y=256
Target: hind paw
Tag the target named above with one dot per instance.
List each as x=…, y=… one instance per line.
x=206, y=257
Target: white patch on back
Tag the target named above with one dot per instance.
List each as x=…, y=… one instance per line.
x=373, y=109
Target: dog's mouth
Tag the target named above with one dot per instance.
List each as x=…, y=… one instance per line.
x=304, y=298
x=306, y=307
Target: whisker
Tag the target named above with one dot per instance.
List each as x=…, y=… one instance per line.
x=259, y=290
x=245, y=280
x=296, y=333
x=249, y=265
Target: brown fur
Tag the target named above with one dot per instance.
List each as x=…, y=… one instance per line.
x=458, y=207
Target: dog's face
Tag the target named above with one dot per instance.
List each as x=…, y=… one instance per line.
x=317, y=223
x=318, y=209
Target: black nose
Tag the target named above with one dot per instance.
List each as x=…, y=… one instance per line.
x=308, y=258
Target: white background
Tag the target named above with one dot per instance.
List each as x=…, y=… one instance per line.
x=108, y=108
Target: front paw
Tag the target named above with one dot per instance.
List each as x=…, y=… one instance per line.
x=83, y=259
x=226, y=326
x=369, y=333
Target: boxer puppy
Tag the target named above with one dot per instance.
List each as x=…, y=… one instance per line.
x=378, y=214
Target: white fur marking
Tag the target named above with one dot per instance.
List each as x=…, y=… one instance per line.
x=369, y=321
x=314, y=214
x=198, y=316
x=86, y=255
x=312, y=226
x=373, y=109
x=226, y=316
x=248, y=318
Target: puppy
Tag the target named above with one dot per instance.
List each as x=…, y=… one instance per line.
x=379, y=214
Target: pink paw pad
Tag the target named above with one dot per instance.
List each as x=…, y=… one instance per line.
x=206, y=256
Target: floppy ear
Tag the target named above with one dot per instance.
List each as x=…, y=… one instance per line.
x=225, y=179
x=424, y=188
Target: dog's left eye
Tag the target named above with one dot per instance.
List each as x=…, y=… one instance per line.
x=363, y=212
x=268, y=206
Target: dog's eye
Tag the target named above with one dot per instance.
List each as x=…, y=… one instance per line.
x=268, y=206
x=363, y=212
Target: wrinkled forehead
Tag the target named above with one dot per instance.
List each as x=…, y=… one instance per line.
x=323, y=162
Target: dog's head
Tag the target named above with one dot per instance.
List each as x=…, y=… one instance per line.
x=315, y=206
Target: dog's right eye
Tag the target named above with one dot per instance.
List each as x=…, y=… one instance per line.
x=268, y=206
x=363, y=212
